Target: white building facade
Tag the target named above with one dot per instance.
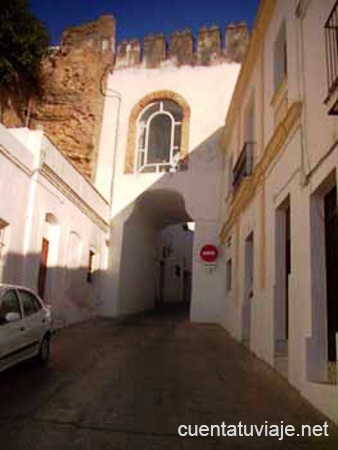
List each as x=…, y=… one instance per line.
x=124, y=236
x=280, y=200
x=54, y=226
x=160, y=132
x=262, y=189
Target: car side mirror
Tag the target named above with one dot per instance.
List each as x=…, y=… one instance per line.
x=12, y=317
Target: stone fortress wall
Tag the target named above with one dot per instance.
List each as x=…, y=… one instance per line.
x=181, y=49
x=74, y=78
x=71, y=109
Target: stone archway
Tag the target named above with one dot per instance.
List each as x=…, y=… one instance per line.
x=140, y=258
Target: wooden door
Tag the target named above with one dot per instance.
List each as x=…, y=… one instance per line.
x=43, y=267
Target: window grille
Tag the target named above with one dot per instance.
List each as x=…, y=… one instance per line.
x=331, y=49
x=159, y=136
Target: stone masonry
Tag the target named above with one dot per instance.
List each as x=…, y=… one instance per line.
x=74, y=77
x=180, y=48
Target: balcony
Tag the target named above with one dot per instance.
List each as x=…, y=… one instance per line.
x=331, y=51
x=244, y=165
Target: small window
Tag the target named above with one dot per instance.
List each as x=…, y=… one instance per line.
x=280, y=57
x=9, y=304
x=30, y=304
x=90, y=266
x=228, y=275
x=3, y=226
x=2, y=240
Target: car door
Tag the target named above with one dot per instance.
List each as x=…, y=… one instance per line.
x=11, y=333
x=33, y=318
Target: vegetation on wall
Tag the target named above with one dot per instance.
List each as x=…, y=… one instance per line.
x=24, y=40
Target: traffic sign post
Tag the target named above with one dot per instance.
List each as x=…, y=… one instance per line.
x=209, y=255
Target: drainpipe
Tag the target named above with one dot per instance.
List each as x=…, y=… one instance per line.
x=28, y=116
x=116, y=95
x=111, y=93
x=30, y=214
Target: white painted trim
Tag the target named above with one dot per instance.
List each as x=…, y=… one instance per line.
x=69, y=193
x=15, y=161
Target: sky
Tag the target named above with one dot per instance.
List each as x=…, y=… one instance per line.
x=136, y=18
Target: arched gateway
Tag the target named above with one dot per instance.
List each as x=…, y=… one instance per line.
x=160, y=133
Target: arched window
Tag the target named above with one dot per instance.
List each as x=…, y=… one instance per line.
x=159, y=129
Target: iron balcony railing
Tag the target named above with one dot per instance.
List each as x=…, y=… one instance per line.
x=244, y=164
x=331, y=49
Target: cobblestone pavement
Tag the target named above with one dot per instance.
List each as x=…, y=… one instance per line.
x=130, y=385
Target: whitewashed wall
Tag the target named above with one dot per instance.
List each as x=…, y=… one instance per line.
x=306, y=163
x=174, y=246
x=38, y=181
x=207, y=90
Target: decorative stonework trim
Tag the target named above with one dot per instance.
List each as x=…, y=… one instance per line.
x=69, y=193
x=279, y=93
x=263, y=17
x=138, y=108
x=249, y=186
x=46, y=144
x=15, y=161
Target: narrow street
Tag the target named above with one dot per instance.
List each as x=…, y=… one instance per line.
x=130, y=385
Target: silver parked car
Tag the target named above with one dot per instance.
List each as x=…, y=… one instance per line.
x=25, y=326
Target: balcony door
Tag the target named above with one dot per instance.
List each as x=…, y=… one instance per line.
x=331, y=253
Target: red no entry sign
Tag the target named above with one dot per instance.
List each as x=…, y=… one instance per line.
x=209, y=253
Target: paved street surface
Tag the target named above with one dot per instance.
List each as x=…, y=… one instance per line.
x=130, y=385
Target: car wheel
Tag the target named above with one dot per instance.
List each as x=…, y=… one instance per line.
x=44, y=351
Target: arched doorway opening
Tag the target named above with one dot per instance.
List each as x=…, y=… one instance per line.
x=174, y=245
x=156, y=253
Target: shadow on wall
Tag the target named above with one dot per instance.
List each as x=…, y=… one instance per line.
x=128, y=285
x=73, y=293
x=190, y=194
x=194, y=178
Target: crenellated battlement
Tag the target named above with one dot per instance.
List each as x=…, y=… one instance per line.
x=96, y=37
x=74, y=74
x=154, y=50
x=210, y=49
x=181, y=48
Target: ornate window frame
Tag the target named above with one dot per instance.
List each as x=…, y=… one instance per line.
x=131, y=150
